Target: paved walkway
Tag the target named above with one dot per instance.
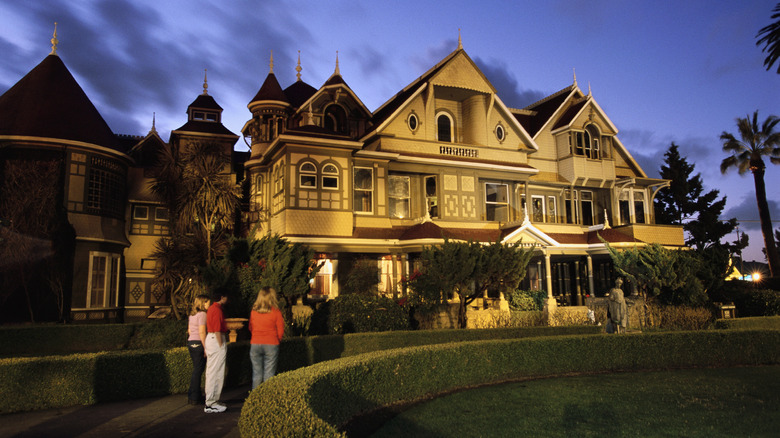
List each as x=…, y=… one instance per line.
x=153, y=417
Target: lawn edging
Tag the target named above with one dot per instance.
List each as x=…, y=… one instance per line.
x=320, y=399
x=752, y=322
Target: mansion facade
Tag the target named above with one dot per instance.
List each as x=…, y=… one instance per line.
x=443, y=158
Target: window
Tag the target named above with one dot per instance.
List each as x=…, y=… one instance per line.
x=413, y=122
x=431, y=199
x=639, y=207
x=140, y=212
x=335, y=119
x=103, y=282
x=444, y=128
x=552, y=212
x=570, y=201
x=279, y=178
x=500, y=133
x=399, y=196
x=161, y=214
x=625, y=211
x=105, y=191
x=587, y=208
x=308, y=176
x=363, y=189
x=257, y=185
x=537, y=208
x=330, y=177
x=587, y=143
x=496, y=202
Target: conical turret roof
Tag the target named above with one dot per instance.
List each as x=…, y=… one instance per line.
x=49, y=103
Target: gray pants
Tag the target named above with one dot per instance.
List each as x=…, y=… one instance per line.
x=215, y=367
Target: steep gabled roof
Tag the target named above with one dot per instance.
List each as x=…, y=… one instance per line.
x=205, y=101
x=49, y=103
x=270, y=91
x=298, y=93
x=542, y=110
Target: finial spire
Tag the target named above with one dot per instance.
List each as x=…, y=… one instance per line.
x=460, y=41
x=298, y=68
x=54, y=41
x=154, y=120
x=590, y=93
x=337, y=72
x=574, y=71
x=205, y=82
x=271, y=64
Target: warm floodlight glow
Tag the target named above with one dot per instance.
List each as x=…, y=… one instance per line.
x=756, y=276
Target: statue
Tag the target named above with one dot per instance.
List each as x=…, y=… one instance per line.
x=618, y=312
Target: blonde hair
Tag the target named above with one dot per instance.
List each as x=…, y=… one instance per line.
x=199, y=304
x=266, y=300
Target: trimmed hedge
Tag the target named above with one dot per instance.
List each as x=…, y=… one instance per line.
x=756, y=322
x=319, y=400
x=36, y=340
x=58, y=381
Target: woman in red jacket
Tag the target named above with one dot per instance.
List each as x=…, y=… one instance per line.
x=267, y=327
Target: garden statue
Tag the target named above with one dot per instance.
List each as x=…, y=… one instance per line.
x=617, y=307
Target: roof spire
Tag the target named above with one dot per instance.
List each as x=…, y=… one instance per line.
x=298, y=68
x=271, y=64
x=205, y=82
x=154, y=120
x=589, y=92
x=54, y=41
x=574, y=71
x=460, y=41
x=337, y=72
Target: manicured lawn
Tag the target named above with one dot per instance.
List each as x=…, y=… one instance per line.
x=702, y=402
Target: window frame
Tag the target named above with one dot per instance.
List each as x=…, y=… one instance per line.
x=111, y=280
x=391, y=197
x=496, y=203
x=452, y=126
x=310, y=175
x=137, y=216
x=431, y=202
x=327, y=175
x=369, y=191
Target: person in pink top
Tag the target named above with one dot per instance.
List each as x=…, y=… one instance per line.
x=267, y=327
x=197, y=338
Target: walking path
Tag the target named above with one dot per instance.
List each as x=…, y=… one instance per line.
x=152, y=417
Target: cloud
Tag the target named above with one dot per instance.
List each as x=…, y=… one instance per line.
x=746, y=212
x=499, y=74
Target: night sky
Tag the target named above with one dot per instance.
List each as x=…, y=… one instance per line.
x=662, y=71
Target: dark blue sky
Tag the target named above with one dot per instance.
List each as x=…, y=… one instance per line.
x=663, y=71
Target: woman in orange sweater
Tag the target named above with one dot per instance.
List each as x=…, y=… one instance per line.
x=267, y=327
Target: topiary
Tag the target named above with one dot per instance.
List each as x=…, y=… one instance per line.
x=356, y=313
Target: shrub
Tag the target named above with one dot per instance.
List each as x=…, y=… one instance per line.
x=37, y=340
x=527, y=299
x=164, y=333
x=758, y=322
x=678, y=317
x=365, y=313
x=532, y=318
x=749, y=300
x=320, y=400
x=363, y=278
x=565, y=316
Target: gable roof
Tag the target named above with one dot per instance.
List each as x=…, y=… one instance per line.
x=270, y=90
x=49, y=103
x=534, y=116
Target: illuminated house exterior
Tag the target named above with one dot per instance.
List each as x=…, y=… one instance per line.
x=443, y=158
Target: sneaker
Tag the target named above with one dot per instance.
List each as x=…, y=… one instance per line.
x=215, y=408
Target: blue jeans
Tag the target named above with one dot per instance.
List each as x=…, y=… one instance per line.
x=198, y=365
x=264, y=358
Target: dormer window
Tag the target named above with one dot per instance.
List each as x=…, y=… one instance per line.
x=588, y=142
x=444, y=127
x=335, y=119
x=205, y=116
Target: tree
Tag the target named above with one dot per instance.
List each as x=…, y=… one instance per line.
x=685, y=203
x=201, y=197
x=747, y=154
x=770, y=39
x=468, y=270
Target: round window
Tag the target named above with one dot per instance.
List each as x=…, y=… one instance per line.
x=413, y=122
x=500, y=133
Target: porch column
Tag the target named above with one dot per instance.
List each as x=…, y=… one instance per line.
x=590, y=276
x=334, y=282
x=538, y=275
x=578, y=290
x=548, y=275
x=394, y=279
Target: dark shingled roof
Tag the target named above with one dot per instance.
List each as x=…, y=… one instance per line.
x=270, y=90
x=316, y=131
x=204, y=101
x=568, y=116
x=544, y=109
x=205, y=127
x=298, y=93
x=48, y=102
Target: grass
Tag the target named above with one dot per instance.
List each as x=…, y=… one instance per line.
x=692, y=403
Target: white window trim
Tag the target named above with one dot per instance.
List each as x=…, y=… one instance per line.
x=544, y=206
x=551, y=200
x=335, y=175
x=107, y=285
x=592, y=205
x=496, y=203
x=138, y=216
x=354, y=189
x=309, y=173
x=452, y=125
x=408, y=198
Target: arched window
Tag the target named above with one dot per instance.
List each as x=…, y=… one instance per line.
x=335, y=119
x=444, y=128
x=330, y=176
x=307, y=175
x=592, y=140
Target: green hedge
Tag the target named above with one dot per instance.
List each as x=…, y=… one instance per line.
x=756, y=322
x=319, y=400
x=58, y=381
x=36, y=340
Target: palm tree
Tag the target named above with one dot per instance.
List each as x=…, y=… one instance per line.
x=771, y=40
x=746, y=154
